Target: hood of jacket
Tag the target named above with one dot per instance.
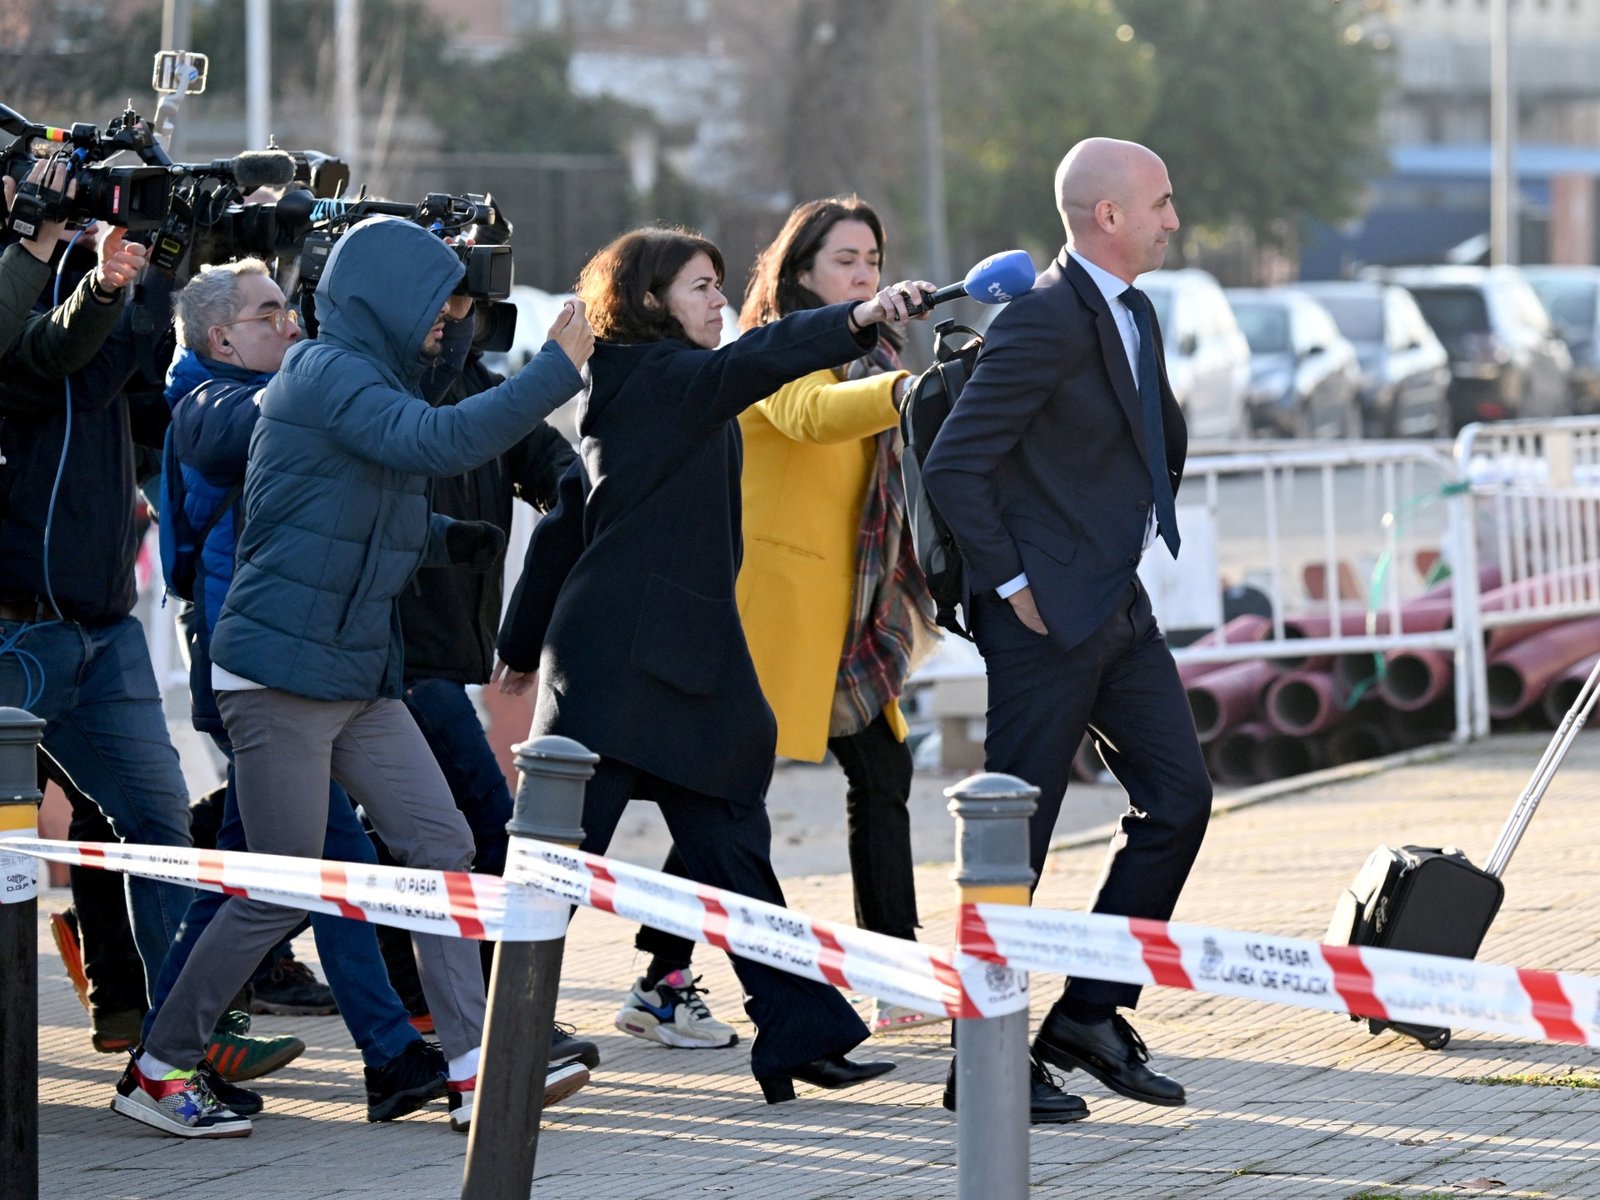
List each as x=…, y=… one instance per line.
x=189, y=370
x=382, y=290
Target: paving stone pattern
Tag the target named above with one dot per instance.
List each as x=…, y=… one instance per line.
x=1283, y=1102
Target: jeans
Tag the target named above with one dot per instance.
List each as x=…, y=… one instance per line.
x=104, y=728
x=444, y=713
x=349, y=949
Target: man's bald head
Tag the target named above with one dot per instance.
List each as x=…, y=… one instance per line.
x=1098, y=169
x=1116, y=202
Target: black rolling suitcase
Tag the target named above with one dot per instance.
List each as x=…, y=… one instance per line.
x=1433, y=899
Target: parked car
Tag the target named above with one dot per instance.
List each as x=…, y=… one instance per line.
x=1304, y=378
x=1207, y=358
x=1505, y=357
x=1405, y=372
x=1572, y=297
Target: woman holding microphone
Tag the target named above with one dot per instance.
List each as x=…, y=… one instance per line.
x=631, y=623
x=835, y=609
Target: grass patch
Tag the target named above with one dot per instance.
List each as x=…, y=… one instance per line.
x=1532, y=1080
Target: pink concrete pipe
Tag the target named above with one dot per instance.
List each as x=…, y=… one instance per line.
x=1519, y=675
x=1302, y=703
x=1228, y=696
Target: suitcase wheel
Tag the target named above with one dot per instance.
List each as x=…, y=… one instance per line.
x=1430, y=1037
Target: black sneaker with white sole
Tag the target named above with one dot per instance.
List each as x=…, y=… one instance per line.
x=406, y=1082
x=565, y=1047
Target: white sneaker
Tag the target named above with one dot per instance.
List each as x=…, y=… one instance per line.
x=181, y=1104
x=886, y=1018
x=560, y=1081
x=673, y=1014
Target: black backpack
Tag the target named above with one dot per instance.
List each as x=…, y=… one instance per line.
x=931, y=397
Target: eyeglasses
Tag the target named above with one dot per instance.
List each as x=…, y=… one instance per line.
x=281, y=318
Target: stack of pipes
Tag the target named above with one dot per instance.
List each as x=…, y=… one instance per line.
x=1274, y=716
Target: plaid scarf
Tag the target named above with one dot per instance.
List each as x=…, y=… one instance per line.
x=891, y=613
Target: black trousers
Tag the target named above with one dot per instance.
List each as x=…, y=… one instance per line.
x=729, y=846
x=110, y=959
x=877, y=770
x=1122, y=686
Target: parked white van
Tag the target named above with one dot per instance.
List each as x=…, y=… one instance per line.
x=1208, y=359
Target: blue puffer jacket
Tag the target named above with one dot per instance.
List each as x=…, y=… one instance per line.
x=336, y=497
x=214, y=409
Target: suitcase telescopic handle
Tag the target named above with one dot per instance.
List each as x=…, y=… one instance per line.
x=1522, y=812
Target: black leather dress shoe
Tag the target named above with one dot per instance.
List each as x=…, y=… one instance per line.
x=1109, y=1050
x=1047, y=1103
x=830, y=1071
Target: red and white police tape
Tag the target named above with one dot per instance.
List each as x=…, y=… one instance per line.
x=452, y=903
x=1392, y=985
x=987, y=976
x=531, y=904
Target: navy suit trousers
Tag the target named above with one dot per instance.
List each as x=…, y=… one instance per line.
x=1122, y=686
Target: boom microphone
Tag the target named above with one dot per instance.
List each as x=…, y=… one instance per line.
x=998, y=279
x=254, y=169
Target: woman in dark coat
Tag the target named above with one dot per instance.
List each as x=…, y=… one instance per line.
x=630, y=622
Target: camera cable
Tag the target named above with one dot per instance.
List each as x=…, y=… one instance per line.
x=33, y=674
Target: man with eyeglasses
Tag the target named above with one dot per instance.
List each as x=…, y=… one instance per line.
x=234, y=326
x=307, y=660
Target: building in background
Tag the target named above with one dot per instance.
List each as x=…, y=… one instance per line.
x=1435, y=204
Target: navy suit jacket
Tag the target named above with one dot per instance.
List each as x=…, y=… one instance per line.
x=1040, y=467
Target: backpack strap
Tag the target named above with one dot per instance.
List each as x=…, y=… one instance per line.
x=944, y=333
x=227, y=502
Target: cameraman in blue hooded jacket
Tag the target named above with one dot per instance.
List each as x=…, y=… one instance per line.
x=308, y=660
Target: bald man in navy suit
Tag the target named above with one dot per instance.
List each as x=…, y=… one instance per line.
x=1056, y=471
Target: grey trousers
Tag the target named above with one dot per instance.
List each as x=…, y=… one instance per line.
x=285, y=748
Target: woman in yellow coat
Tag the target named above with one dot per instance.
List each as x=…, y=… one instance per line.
x=834, y=607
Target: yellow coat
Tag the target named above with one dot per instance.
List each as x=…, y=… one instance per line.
x=808, y=453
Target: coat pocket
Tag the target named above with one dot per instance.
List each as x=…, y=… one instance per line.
x=1059, y=545
x=682, y=638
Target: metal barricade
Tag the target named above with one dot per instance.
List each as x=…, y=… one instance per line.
x=1363, y=515
x=1534, y=511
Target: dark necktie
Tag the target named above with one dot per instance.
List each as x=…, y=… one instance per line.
x=1150, y=402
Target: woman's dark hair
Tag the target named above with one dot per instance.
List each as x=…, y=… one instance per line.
x=640, y=263
x=775, y=289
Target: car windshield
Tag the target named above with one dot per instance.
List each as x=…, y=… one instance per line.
x=1453, y=311
x=1570, y=301
x=1265, y=326
x=1359, y=318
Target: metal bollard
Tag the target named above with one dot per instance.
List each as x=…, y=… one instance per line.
x=19, y=962
x=522, y=989
x=992, y=866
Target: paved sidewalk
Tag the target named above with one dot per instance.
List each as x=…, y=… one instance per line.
x=1283, y=1102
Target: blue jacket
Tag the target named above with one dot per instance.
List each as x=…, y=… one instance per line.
x=214, y=408
x=336, y=497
